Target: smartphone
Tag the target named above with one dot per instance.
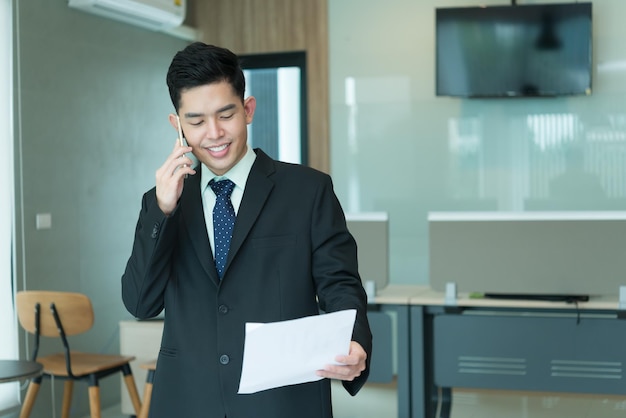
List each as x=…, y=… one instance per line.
x=180, y=136
x=180, y=132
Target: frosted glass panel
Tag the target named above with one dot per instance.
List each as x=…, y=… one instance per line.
x=397, y=148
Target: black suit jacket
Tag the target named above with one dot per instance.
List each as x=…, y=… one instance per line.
x=290, y=256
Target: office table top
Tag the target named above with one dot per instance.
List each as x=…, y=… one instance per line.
x=425, y=295
x=434, y=297
x=14, y=370
x=394, y=294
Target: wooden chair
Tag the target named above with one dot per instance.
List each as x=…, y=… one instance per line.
x=63, y=314
x=147, y=391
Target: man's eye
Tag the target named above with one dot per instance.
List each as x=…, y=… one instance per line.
x=198, y=123
x=226, y=116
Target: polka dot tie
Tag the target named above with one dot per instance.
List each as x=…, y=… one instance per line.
x=223, y=221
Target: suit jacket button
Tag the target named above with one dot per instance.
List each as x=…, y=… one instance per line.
x=224, y=359
x=155, y=230
x=223, y=309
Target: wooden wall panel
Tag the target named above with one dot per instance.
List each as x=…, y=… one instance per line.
x=259, y=26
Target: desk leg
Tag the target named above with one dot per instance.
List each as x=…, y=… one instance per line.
x=404, y=358
x=424, y=396
x=446, y=403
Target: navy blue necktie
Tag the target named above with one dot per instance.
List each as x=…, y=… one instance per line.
x=223, y=221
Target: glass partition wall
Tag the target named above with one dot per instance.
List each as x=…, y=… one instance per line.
x=398, y=148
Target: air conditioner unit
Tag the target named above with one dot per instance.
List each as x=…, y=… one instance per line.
x=156, y=15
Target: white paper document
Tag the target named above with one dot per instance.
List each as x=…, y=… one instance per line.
x=290, y=352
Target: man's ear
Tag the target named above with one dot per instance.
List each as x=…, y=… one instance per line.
x=249, y=106
x=173, y=121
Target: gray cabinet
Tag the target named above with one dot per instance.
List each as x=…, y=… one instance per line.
x=561, y=353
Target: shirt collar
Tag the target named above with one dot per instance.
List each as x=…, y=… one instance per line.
x=238, y=174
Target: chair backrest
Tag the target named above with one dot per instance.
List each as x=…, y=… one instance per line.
x=74, y=309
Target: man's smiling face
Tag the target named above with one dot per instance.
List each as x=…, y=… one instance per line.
x=214, y=122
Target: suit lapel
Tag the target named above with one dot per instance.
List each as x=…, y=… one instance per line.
x=258, y=188
x=193, y=219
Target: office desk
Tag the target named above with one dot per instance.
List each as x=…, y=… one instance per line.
x=395, y=300
x=512, y=345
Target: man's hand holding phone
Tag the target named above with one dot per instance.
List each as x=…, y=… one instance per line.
x=171, y=176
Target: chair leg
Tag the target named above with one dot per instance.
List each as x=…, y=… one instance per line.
x=132, y=391
x=68, y=390
x=94, y=401
x=147, y=395
x=29, y=400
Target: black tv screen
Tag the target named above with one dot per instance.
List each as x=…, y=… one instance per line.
x=514, y=51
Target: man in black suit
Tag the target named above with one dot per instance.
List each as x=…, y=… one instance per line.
x=290, y=255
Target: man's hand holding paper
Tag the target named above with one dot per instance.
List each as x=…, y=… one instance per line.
x=300, y=350
x=350, y=366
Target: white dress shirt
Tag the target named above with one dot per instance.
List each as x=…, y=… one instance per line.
x=238, y=175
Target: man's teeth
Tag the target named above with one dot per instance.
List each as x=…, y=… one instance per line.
x=218, y=149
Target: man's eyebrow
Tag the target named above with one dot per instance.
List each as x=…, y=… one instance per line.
x=226, y=108
x=190, y=115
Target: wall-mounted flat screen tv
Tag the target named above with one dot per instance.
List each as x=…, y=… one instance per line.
x=514, y=51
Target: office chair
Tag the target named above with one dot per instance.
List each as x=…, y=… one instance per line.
x=59, y=315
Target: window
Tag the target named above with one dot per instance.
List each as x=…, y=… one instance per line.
x=9, y=392
x=278, y=82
